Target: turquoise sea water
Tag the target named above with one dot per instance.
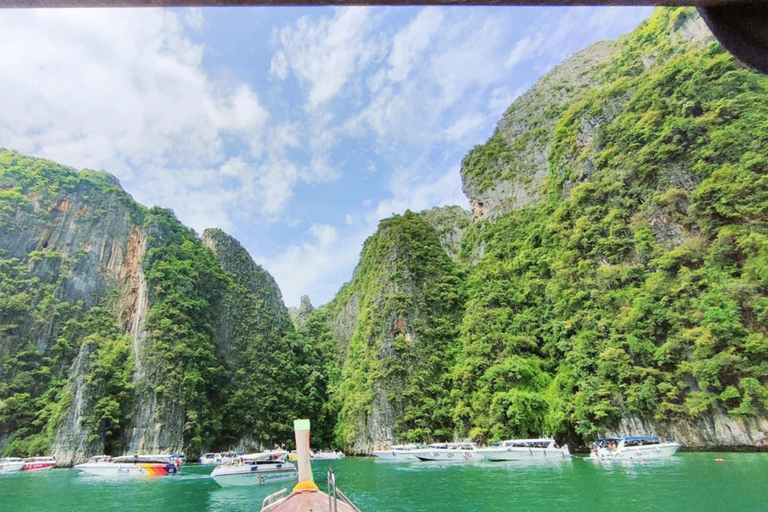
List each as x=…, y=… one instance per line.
x=686, y=482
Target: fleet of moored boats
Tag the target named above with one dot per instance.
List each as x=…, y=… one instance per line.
x=544, y=449
x=234, y=469
x=238, y=469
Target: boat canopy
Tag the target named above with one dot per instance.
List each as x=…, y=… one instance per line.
x=529, y=441
x=271, y=455
x=144, y=459
x=653, y=439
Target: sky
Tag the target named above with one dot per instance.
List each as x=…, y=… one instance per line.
x=295, y=130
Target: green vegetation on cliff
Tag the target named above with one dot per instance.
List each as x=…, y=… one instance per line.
x=407, y=299
x=637, y=285
x=43, y=321
x=214, y=362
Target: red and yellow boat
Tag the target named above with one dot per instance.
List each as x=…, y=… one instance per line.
x=38, y=464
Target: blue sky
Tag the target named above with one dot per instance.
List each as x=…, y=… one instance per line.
x=294, y=130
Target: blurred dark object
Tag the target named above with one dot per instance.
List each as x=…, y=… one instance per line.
x=742, y=28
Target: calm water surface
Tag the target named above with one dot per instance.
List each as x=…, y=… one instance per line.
x=689, y=481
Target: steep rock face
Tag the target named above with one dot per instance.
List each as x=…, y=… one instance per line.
x=621, y=215
x=122, y=331
x=450, y=223
x=255, y=334
x=508, y=171
x=305, y=309
x=270, y=313
x=394, y=324
x=69, y=242
x=714, y=431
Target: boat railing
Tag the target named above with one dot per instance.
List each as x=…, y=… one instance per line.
x=273, y=498
x=335, y=494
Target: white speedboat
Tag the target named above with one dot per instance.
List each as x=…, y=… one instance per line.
x=449, y=452
x=632, y=448
x=334, y=455
x=209, y=459
x=255, y=469
x=526, y=449
x=398, y=453
x=38, y=464
x=130, y=466
x=11, y=464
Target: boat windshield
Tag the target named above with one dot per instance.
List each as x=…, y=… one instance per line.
x=640, y=440
x=143, y=459
x=528, y=444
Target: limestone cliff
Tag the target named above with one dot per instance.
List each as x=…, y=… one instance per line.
x=583, y=317
x=395, y=326
x=613, y=281
x=122, y=331
x=508, y=171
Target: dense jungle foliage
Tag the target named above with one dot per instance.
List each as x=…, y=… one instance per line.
x=633, y=283
x=638, y=286
x=244, y=390
x=41, y=331
x=409, y=297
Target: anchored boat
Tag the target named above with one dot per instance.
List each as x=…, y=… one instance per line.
x=11, y=464
x=130, y=466
x=255, y=469
x=398, y=453
x=526, y=449
x=38, y=464
x=632, y=448
x=334, y=455
x=449, y=452
x=209, y=459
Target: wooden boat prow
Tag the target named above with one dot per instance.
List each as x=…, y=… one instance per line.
x=306, y=497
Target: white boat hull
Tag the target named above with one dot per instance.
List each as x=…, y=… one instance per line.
x=511, y=454
x=327, y=456
x=248, y=477
x=646, y=452
x=119, y=470
x=37, y=468
x=11, y=467
x=448, y=455
x=395, y=455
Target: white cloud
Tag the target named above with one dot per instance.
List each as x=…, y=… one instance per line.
x=317, y=266
x=464, y=125
x=438, y=67
x=326, y=53
x=193, y=17
x=349, y=219
x=417, y=191
x=518, y=52
x=409, y=44
x=126, y=91
x=325, y=234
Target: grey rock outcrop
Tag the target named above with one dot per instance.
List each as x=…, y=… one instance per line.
x=508, y=171
x=713, y=432
x=305, y=308
x=450, y=223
